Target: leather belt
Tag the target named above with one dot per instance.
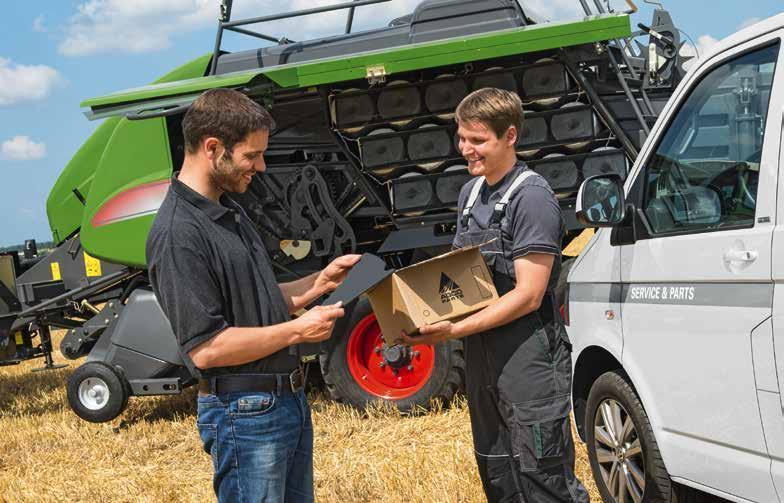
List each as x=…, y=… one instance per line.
x=277, y=383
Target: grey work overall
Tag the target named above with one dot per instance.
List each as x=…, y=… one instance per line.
x=518, y=377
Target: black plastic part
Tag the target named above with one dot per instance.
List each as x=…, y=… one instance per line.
x=367, y=273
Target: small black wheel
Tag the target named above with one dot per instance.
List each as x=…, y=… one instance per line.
x=97, y=393
x=625, y=459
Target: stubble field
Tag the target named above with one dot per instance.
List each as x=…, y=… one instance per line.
x=152, y=451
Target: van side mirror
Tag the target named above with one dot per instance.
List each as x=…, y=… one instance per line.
x=600, y=201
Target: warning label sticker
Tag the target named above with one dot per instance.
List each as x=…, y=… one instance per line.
x=92, y=266
x=55, y=271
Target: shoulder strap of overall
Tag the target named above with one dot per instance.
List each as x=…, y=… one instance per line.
x=500, y=206
x=472, y=196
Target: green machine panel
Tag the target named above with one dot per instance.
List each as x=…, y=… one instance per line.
x=128, y=187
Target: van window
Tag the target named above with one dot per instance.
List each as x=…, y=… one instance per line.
x=704, y=173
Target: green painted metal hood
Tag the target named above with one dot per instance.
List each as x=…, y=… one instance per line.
x=395, y=60
x=64, y=207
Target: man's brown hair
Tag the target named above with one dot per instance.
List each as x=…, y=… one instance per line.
x=225, y=114
x=498, y=109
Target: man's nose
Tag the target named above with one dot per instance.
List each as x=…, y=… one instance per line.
x=260, y=166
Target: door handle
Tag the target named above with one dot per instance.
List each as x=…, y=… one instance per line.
x=740, y=256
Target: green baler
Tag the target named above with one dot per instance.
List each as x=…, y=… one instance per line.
x=363, y=159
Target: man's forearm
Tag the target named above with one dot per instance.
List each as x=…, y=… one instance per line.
x=301, y=292
x=238, y=345
x=512, y=305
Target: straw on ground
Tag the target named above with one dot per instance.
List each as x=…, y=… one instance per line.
x=152, y=452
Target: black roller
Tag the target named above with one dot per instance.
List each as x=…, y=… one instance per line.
x=381, y=151
x=428, y=143
x=560, y=175
x=445, y=96
x=573, y=125
x=449, y=183
x=503, y=80
x=398, y=101
x=534, y=131
x=411, y=191
x=355, y=109
x=611, y=161
x=545, y=79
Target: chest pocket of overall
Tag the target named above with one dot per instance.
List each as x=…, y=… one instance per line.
x=492, y=252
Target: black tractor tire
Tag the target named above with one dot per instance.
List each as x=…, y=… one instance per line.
x=106, y=400
x=447, y=377
x=614, y=387
x=560, y=286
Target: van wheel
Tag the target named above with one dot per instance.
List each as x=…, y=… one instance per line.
x=622, y=450
x=97, y=393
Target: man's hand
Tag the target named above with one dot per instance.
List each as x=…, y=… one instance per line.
x=317, y=323
x=431, y=334
x=333, y=275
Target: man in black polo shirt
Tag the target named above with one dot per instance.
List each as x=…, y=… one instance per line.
x=212, y=276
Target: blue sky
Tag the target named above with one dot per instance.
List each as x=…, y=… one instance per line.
x=54, y=54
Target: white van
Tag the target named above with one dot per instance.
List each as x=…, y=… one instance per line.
x=676, y=307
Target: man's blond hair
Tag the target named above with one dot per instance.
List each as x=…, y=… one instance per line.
x=498, y=109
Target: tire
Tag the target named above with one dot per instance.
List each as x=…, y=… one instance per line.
x=97, y=393
x=560, y=286
x=613, y=393
x=438, y=371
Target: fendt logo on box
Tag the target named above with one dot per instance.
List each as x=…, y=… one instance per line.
x=449, y=290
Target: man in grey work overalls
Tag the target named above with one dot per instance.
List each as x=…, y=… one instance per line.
x=518, y=368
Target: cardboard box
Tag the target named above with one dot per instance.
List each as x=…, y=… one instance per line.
x=446, y=287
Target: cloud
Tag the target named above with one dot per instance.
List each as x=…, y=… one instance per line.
x=20, y=83
x=749, y=22
x=112, y=26
x=22, y=148
x=38, y=24
x=105, y=26
x=704, y=44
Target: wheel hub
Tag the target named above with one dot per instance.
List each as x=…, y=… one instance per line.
x=397, y=356
x=93, y=393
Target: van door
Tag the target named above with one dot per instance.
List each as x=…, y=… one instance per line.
x=696, y=281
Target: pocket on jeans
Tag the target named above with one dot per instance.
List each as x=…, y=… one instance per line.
x=209, y=435
x=253, y=405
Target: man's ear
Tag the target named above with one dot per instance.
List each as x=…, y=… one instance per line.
x=511, y=136
x=212, y=147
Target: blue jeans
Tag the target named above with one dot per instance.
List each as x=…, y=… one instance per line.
x=261, y=445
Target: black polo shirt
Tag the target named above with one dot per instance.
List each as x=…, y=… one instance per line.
x=210, y=271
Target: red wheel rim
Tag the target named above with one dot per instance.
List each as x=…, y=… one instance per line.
x=365, y=357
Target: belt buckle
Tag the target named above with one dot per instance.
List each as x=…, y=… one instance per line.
x=296, y=380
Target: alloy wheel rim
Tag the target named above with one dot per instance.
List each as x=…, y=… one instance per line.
x=619, y=452
x=93, y=393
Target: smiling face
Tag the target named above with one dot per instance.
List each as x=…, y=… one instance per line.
x=233, y=172
x=487, y=154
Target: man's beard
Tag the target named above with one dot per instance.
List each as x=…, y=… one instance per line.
x=227, y=176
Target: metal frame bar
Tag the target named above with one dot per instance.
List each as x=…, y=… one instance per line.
x=600, y=105
x=225, y=23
